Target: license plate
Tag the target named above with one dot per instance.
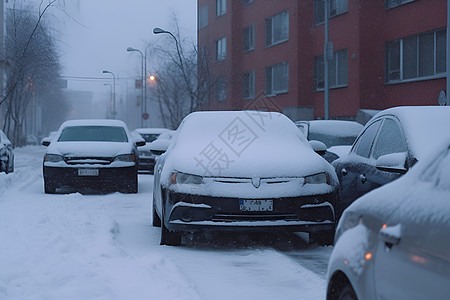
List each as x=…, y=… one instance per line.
x=87, y=172
x=256, y=205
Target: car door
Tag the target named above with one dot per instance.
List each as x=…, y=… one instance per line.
x=412, y=258
x=350, y=167
x=390, y=139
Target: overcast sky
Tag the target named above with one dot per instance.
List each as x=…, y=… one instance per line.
x=103, y=30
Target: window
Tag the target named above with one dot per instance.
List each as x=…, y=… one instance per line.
x=365, y=141
x=277, y=79
x=202, y=17
x=416, y=56
x=221, y=89
x=337, y=7
x=249, y=85
x=249, y=38
x=221, y=7
x=337, y=70
x=390, y=140
x=394, y=3
x=277, y=28
x=247, y=2
x=221, y=49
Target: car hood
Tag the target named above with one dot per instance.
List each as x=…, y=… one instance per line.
x=89, y=149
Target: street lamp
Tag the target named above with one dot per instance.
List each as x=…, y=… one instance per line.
x=114, y=93
x=144, y=82
x=110, y=100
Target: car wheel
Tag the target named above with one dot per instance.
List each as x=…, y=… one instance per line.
x=156, y=220
x=10, y=167
x=49, y=188
x=169, y=238
x=322, y=238
x=342, y=291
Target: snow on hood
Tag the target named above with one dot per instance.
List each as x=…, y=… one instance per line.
x=244, y=144
x=89, y=149
x=424, y=126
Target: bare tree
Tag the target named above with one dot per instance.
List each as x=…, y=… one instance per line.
x=182, y=78
x=33, y=67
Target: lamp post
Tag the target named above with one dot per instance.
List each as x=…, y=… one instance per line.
x=110, y=100
x=114, y=93
x=144, y=81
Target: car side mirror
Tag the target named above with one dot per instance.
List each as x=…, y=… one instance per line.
x=140, y=143
x=392, y=163
x=318, y=146
x=158, y=146
x=45, y=142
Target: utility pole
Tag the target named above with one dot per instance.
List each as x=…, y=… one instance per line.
x=326, y=57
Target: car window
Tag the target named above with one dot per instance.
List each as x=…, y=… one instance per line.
x=93, y=134
x=365, y=141
x=390, y=140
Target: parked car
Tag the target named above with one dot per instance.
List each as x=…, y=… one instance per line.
x=242, y=171
x=146, y=158
x=99, y=154
x=393, y=243
x=390, y=144
x=337, y=135
x=6, y=154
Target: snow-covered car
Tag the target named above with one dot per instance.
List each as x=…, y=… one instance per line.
x=391, y=143
x=146, y=160
x=6, y=154
x=99, y=154
x=337, y=135
x=242, y=171
x=393, y=243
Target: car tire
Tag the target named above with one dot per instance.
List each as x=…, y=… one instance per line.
x=322, y=237
x=49, y=188
x=132, y=185
x=156, y=221
x=169, y=238
x=10, y=166
x=343, y=292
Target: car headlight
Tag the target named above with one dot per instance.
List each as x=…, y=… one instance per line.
x=348, y=220
x=317, y=179
x=125, y=158
x=183, y=178
x=53, y=158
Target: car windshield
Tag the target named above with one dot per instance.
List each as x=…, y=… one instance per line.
x=150, y=137
x=93, y=134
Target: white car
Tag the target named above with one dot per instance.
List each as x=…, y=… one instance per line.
x=98, y=154
x=393, y=243
x=146, y=161
x=6, y=154
x=242, y=171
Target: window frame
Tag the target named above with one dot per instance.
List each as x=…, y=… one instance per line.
x=221, y=89
x=203, y=15
x=269, y=39
x=272, y=91
x=321, y=13
x=318, y=63
x=249, y=85
x=221, y=7
x=388, y=5
x=221, y=49
x=249, y=31
x=389, y=49
x=247, y=2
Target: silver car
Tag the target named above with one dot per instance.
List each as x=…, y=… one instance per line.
x=393, y=243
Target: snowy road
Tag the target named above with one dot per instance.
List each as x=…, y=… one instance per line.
x=104, y=247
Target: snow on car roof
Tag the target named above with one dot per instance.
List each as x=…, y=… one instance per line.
x=94, y=122
x=242, y=143
x=151, y=130
x=424, y=126
x=336, y=127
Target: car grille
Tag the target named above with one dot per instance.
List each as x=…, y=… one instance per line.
x=88, y=160
x=223, y=217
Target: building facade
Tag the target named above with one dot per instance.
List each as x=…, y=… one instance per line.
x=384, y=53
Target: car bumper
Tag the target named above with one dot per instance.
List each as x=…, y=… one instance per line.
x=106, y=178
x=194, y=213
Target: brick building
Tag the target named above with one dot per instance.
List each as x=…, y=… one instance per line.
x=385, y=53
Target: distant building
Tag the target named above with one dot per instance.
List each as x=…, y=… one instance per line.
x=385, y=53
